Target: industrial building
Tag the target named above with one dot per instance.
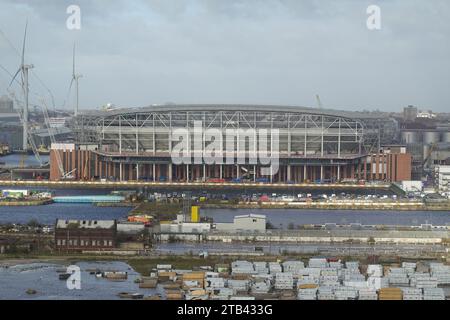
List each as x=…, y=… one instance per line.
x=442, y=179
x=315, y=145
x=249, y=222
x=80, y=235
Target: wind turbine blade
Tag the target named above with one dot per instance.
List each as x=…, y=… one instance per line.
x=14, y=78
x=73, y=62
x=23, y=46
x=68, y=92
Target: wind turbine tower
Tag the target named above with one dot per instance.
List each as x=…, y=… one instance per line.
x=25, y=88
x=75, y=78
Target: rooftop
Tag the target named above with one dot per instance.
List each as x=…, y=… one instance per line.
x=234, y=107
x=86, y=224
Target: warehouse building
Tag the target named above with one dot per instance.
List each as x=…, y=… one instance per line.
x=250, y=222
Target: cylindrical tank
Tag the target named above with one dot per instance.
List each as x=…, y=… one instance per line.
x=430, y=137
x=445, y=137
x=410, y=137
x=426, y=150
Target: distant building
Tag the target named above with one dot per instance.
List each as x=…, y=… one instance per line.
x=410, y=113
x=391, y=164
x=79, y=235
x=6, y=105
x=426, y=114
x=247, y=223
x=442, y=179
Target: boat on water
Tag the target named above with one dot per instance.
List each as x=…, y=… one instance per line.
x=116, y=275
x=127, y=295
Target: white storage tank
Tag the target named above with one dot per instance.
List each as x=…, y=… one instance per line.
x=445, y=137
x=430, y=137
x=410, y=137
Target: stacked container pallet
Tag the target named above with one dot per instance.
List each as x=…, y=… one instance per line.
x=307, y=294
x=352, y=265
x=374, y=270
x=242, y=298
x=308, y=280
x=164, y=276
x=409, y=266
x=318, y=263
x=260, y=267
x=331, y=284
x=242, y=267
x=356, y=284
x=329, y=275
x=325, y=279
x=398, y=276
x=367, y=294
x=390, y=294
x=238, y=285
x=260, y=288
x=223, y=293
x=377, y=282
x=441, y=272
x=345, y=293
x=288, y=295
x=293, y=266
x=335, y=264
x=174, y=295
x=274, y=267
x=198, y=294
x=412, y=294
x=325, y=293
x=354, y=277
x=314, y=272
x=433, y=294
x=214, y=283
x=192, y=277
x=284, y=281
x=425, y=281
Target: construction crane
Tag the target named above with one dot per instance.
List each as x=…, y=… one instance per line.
x=433, y=147
x=64, y=175
x=29, y=136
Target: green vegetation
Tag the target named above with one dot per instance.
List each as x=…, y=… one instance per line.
x=160, y=210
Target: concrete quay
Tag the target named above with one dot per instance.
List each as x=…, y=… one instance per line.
x=316, y=236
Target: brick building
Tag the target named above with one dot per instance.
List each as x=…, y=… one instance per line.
x=391, y=164
x=79, y=235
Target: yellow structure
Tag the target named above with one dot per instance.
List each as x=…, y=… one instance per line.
x=195, y=214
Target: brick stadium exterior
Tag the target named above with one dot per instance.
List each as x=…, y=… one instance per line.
x=314, y=144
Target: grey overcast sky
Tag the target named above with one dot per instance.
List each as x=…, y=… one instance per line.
x=137, y=53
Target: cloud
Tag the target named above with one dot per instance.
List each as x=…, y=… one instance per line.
x=238, y=51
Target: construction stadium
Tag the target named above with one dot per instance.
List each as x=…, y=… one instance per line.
x=313, y=145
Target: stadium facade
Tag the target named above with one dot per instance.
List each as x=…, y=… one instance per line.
x=311, y=144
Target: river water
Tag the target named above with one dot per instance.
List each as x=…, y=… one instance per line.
x=48, y=214
x=279, y=218
x=13, y=160
x=42, y=277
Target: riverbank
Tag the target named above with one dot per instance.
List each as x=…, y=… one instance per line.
x=168, y=210
x=144, y=264
x=192, y=185
x=382, y=206
x=17, y=203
